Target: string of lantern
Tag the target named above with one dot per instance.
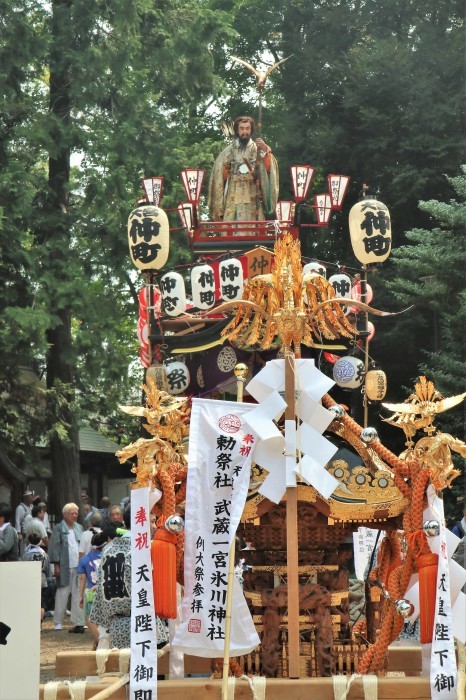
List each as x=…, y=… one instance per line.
x=221, y=278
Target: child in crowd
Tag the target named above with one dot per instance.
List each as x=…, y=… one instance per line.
x=88, y=569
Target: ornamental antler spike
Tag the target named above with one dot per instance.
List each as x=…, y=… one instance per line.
x=260, y=75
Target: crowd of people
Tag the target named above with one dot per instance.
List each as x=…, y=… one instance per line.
x=90, y=564
x=85, y=569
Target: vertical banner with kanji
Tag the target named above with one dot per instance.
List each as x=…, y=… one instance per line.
x=443, y=670
x=220, y=450
x=363, y=546
x=143, y=671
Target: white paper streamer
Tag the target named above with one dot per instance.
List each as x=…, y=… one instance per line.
x=443, y=670
x=143, y=675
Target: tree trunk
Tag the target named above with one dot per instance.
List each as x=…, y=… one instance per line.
x=64, y=443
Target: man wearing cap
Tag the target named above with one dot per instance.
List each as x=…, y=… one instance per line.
x=22, y=511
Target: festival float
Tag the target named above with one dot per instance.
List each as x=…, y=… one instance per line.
x=264, y=487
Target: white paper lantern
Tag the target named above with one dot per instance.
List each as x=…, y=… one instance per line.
x=148, y=237
x=370, y=231
x=376, y=384
x=349, y=372
x=177, y=377
x=203, y=286
x=231, y=279
x=315, y=267
x=173, y=293
x=341, y=284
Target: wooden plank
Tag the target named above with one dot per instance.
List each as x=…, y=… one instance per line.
x=406, y=658
x=79, y=664
x=276, y=689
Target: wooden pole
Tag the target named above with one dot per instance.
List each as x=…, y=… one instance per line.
x=111, y=689
x=292, y=534
x=241, y=371
x=366, y=343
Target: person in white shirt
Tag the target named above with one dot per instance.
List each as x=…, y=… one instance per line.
x=64, y=554
x=95, y=526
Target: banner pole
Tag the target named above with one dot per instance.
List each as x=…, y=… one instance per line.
x=292, y=533
x=241, y=371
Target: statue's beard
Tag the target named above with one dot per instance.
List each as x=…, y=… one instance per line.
x=243, y=141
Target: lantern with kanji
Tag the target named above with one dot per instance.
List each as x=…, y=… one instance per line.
x=148, y=237
x=231, y=279
x=348, y=372
x=301, y=178
x=370, y=231
x=192, y=182
x=153, y=189
x=337, y=186
x=376, y=384
x=316, y=267
x=157, y=373
x=341, y=283
x=173, y=293
x=203, y=286
x=177, y=377
x=323, y=207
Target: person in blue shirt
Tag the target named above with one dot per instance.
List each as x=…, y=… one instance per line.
x=87, y=569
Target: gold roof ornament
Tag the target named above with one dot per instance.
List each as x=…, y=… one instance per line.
x=420, y=409
x=167, y=420
x=295, y=307
x=419, y=412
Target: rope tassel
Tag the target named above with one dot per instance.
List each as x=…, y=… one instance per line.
x=428, y=566
x=163, y=555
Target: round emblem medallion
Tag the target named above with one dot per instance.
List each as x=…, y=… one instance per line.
x=229, y=423
x=226, y=360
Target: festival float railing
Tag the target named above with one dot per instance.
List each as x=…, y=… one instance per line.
x=216, y=236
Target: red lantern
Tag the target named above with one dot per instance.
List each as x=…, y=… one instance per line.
x=284, y=211
x=330, y=357
x=323, y=205
x=192, y=182
x=185, y=210
x=301, y=178
x=337, y=186
x=153, y=189
x=356, y=294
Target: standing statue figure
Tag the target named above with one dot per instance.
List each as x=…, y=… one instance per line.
x=244, y=181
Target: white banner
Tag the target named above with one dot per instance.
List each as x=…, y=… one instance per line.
x=443, y=670
x=220, y=447
x=143, y=678
x=363, y=546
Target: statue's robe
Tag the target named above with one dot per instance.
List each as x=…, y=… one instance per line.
x=243, y=196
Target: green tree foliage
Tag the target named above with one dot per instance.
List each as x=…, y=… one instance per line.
x=430, y=273
x=116, y=85
x=372, y=90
